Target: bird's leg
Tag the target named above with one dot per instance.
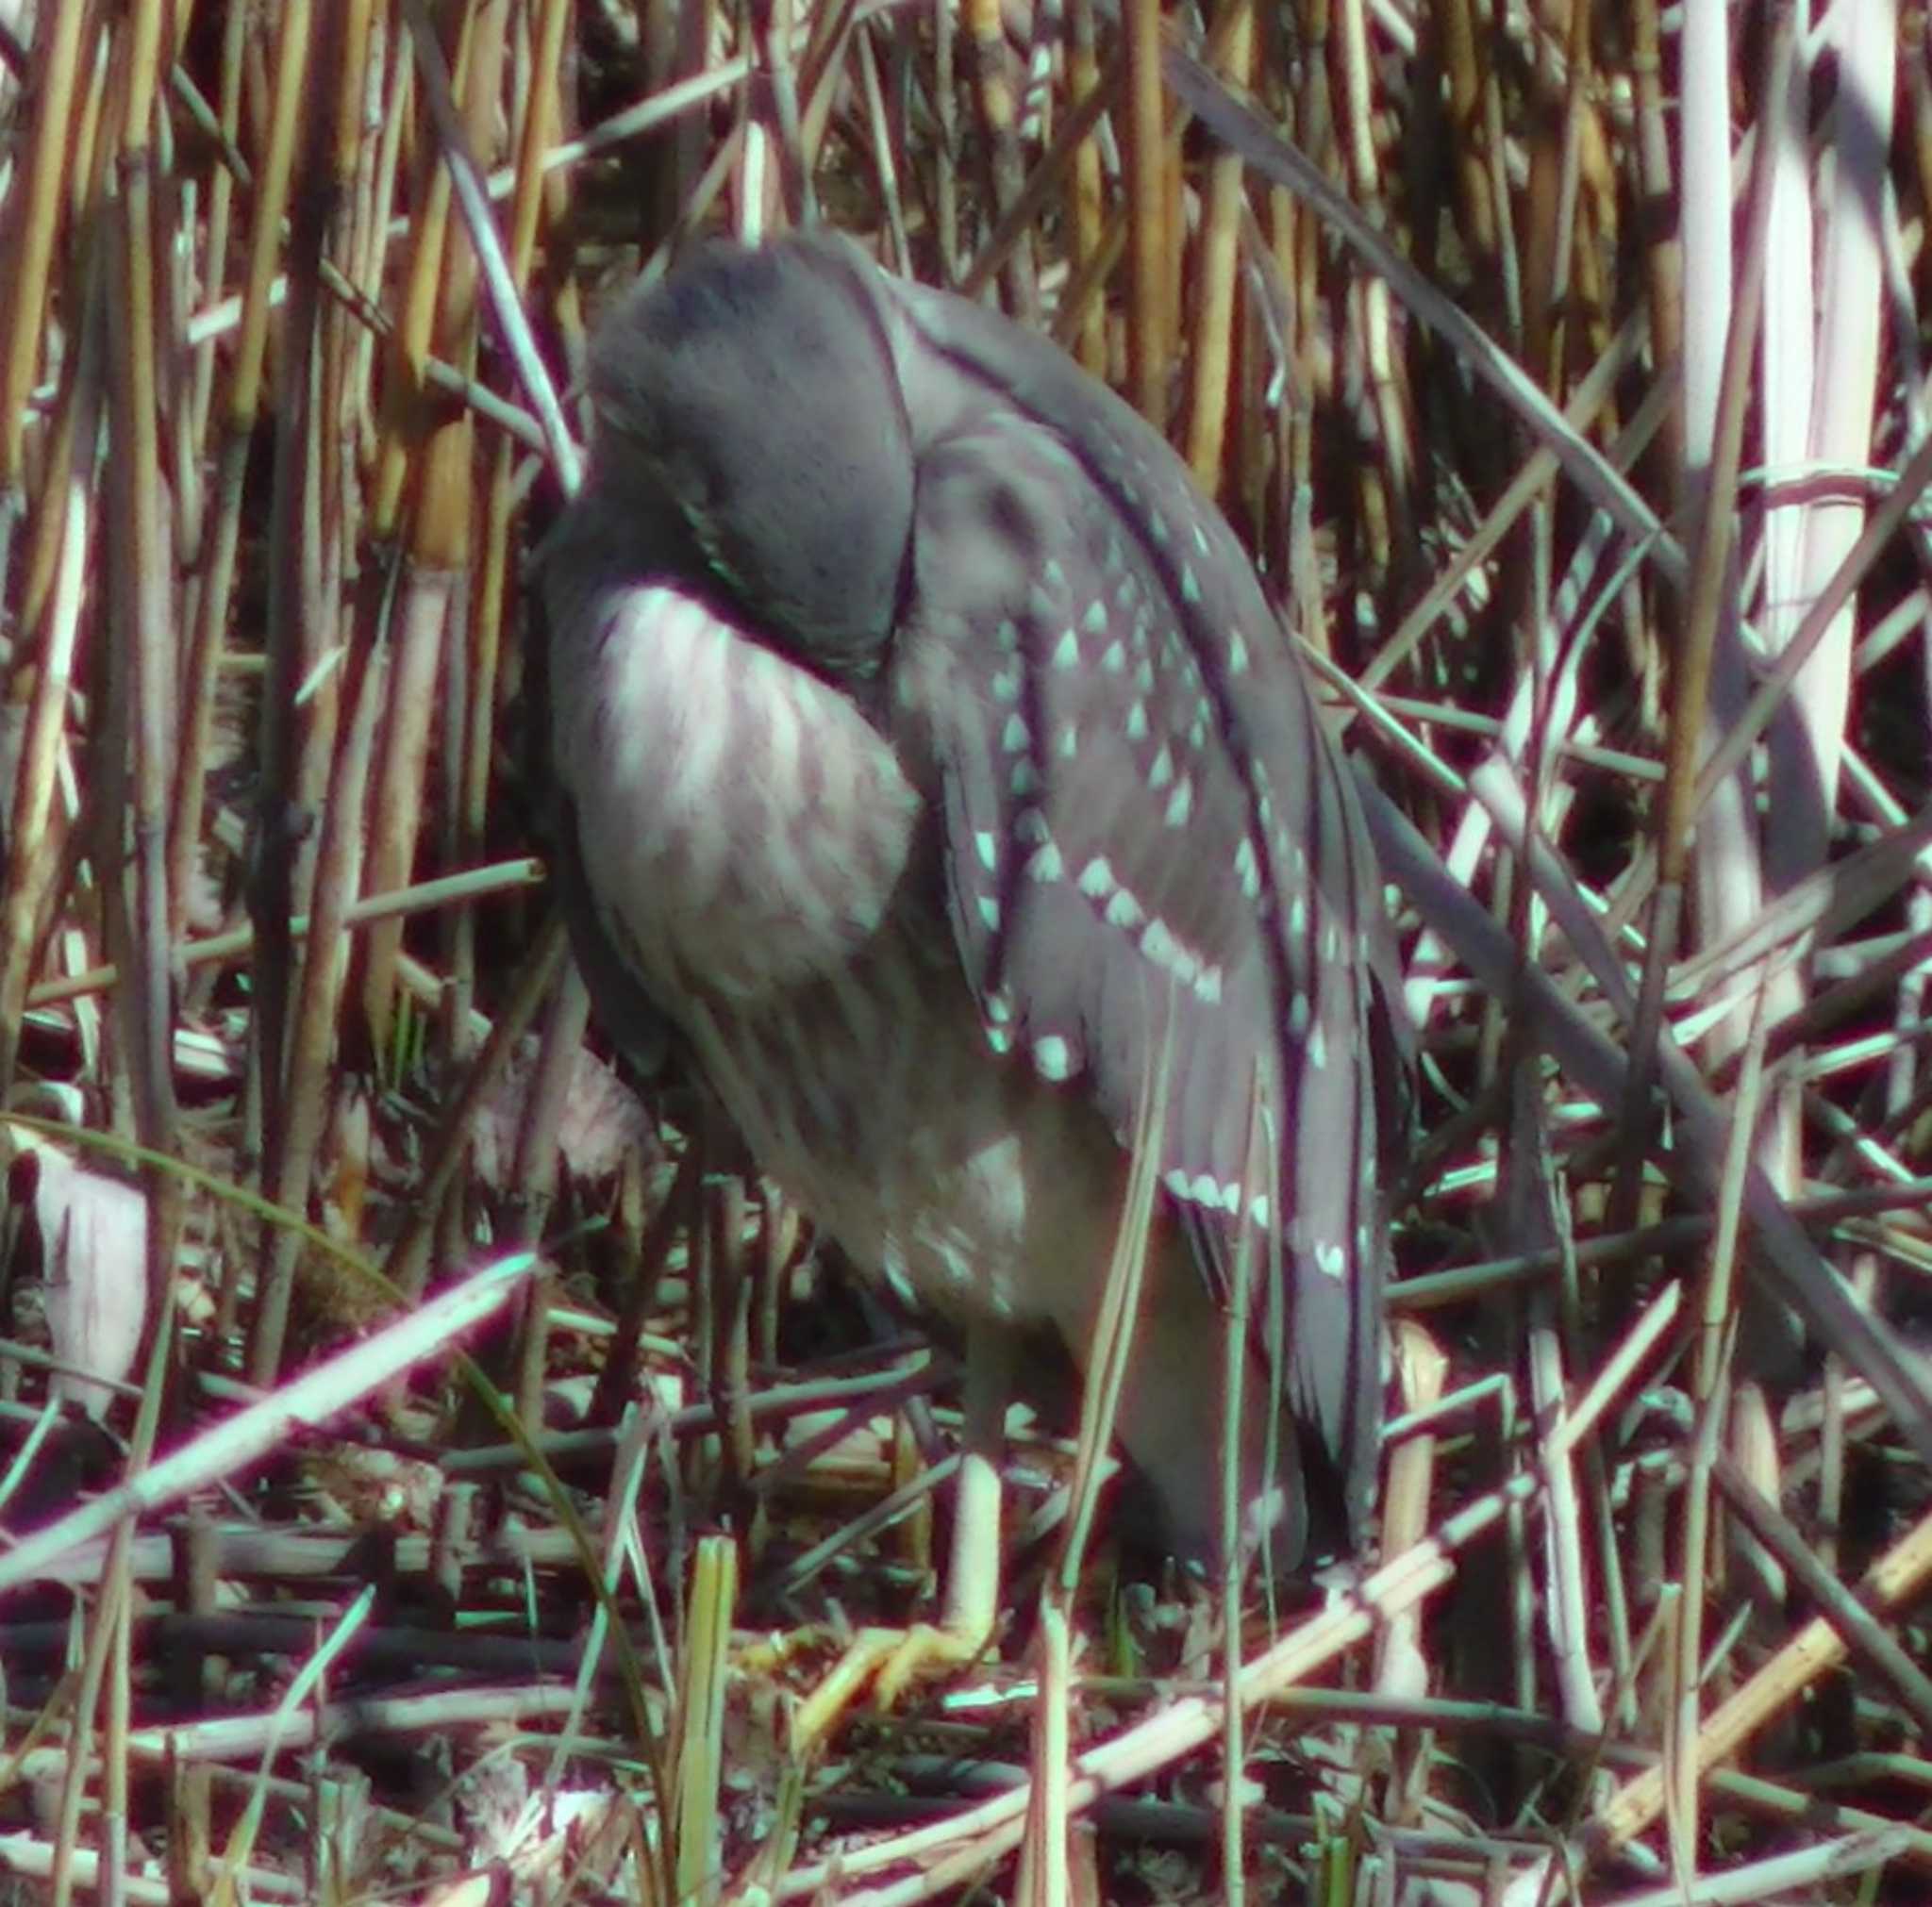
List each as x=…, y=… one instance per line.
x=890, y=1657
x=972, y=1569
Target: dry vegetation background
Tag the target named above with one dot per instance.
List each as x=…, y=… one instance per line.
x=1562, y=364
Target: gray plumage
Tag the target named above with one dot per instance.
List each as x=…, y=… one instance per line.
x=935, y=766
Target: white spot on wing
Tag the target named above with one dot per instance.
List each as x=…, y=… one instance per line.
x=1053, y=1059
x=1066, y=655
x=1123, y=911
x=986, y=845
x=1096, y=879
x=1247, y=870
x=1161, y=947
x=1180, y=805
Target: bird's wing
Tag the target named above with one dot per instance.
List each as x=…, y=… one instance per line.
x=1144, y=818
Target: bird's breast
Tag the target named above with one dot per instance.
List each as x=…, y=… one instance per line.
x=744, y=827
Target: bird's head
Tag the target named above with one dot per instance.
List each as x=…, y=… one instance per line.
x=751, y=395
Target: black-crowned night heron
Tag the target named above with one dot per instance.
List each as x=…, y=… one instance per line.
x=936, y=768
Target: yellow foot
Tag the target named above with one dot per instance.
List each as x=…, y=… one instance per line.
x=889, y=1659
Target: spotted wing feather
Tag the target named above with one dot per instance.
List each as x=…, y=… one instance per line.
x=1144, y=820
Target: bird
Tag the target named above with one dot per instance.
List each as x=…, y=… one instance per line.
x=935, y=777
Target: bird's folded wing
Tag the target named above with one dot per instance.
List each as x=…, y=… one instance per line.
x=1153, y=855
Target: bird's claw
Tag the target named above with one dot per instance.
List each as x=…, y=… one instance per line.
x=889, y=1659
